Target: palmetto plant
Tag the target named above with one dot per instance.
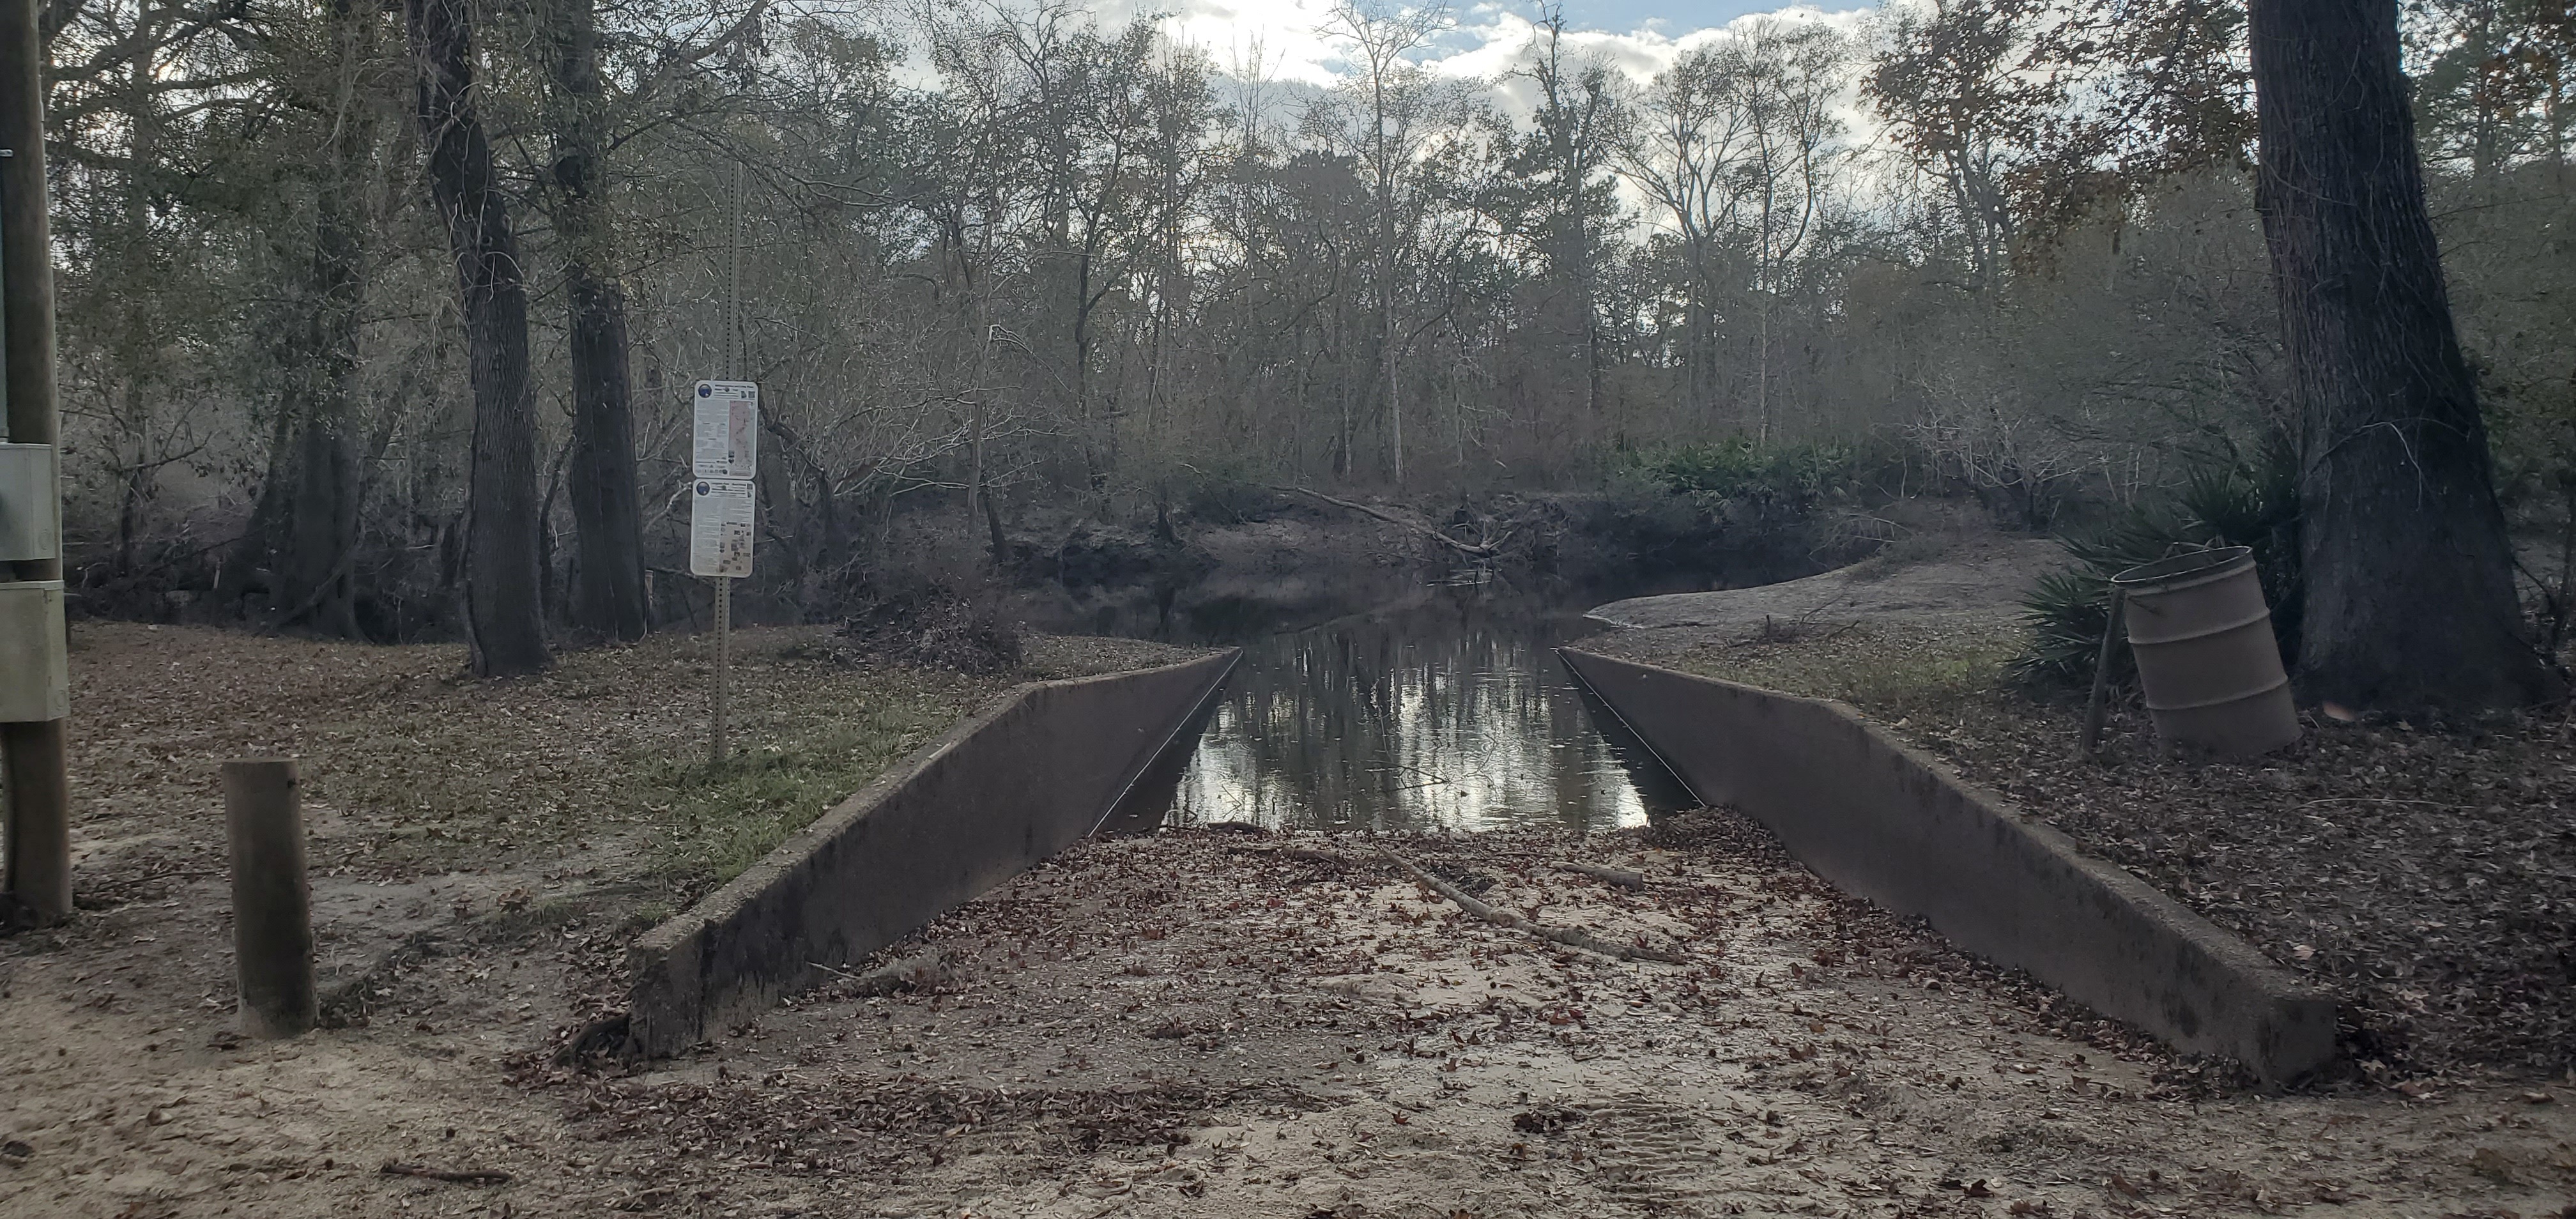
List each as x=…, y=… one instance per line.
x=2254, y=504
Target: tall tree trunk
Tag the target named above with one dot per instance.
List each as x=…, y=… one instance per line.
x=1762, y=366
x=1386, y=282
x=607, y=509
x=251, y=555
x=143, y=120
x=2409, y=592
x=321, y=526
x=304, y=525
x=504, y=619
x=1102, y=460
x=980, y=419
x=1699, y=322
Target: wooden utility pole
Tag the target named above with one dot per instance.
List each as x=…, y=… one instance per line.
x=38, y=783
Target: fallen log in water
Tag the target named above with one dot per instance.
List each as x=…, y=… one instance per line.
x=1473, y=550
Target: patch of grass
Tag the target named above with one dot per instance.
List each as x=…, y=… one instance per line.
x=1897, y=555
x=648, y=915
x=595, y=769
x=1889, y=670
x=709, y=822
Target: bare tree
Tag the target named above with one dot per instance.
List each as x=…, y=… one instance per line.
x=608, y=596
x=1578, y=121
x=1957, y=88
x=1682, y=154
x=1383, y=36
x=322, y=360
x=1785, y=80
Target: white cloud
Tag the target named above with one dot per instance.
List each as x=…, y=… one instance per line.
x=1487, y=43
x=1283, y=42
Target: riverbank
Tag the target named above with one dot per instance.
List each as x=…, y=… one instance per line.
x=1232, y=562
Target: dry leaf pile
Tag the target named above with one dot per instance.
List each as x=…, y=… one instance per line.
x=2426, y=876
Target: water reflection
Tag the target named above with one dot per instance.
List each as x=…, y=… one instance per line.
x=1451, y=712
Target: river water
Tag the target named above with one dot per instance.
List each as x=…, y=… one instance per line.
x=1446, y=711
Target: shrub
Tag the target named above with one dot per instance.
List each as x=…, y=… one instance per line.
x=933, y=627
x=2255, y=505
x=1741, y=470
x=1232, y=491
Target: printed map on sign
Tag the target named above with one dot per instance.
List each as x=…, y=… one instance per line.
x=720, y=522
x=725, y=443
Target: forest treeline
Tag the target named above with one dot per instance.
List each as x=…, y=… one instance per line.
x=380, y=320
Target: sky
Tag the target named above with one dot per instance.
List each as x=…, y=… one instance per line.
x=1641, y=36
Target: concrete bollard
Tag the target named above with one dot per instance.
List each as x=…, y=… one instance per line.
x=272, y=904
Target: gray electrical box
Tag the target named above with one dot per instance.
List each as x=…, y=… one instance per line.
x=35, y=678
x=31, y=503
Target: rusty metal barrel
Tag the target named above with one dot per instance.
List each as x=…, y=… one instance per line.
x=2207, y=661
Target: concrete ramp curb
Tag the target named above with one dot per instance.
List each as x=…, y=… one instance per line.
x=998, y=793
x=1892, y=825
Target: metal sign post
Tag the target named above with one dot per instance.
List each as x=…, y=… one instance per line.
x=724, y=456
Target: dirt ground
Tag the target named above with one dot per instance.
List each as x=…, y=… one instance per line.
x=1195, y=1023
x=2424, y=873
x=1179, y=1023
x=448, y=819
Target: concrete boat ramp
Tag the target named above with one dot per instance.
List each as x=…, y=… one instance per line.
x=1860, y=987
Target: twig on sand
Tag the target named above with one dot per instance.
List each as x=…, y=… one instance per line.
x=1304, y=853
x=1621, y=877
x=470, y=1176
x=890, y=979
x=2376, y=800
x=1570, y=937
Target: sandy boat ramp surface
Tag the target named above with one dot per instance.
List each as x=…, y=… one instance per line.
x=1205, y=1023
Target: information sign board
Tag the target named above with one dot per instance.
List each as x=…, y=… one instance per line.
x=726, y=441
x=720, y=527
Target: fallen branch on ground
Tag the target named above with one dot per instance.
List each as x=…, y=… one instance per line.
x=470, y=1176
x=1570, y=937
x=1304, y=853
x=1621, y=877
x=915, y=972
